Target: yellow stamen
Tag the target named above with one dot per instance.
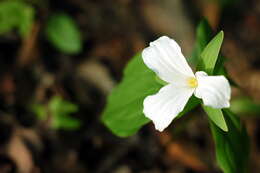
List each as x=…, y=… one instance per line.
x=192, y=82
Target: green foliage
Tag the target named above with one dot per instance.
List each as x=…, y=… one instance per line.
x=16, y=14
x=217, y=117
x=209, y=55
x=59, y=111
x=219, y=67
x=245, y=105
x=208, y=58
x=232, y=148
x=64, y=34
x=203, y=36
x=123, y=114
x=39, y=111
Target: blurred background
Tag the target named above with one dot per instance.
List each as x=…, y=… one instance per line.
x=61, y=58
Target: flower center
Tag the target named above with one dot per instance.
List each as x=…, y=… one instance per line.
x=192, y=82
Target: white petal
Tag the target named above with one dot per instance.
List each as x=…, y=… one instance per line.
x=164, y=57
x=215, y=91
x=164, y=106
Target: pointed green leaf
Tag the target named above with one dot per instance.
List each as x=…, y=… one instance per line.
x=208, y=60
x=209, y=55
x=232, y=147
x=217, y=117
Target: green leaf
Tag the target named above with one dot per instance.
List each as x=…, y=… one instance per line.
x=209, y=55
x=63, y=33
x=66, y=123
x=245, y=105
x=123, y=114
x=26, y=22
x=16, y=15
x=219, y=68
x=39, y=110
x=217, y=117
x=203, y=36
x=58, y=106
x=232, y=147
x=208, y=63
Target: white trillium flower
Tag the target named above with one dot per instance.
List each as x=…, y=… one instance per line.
x=165, y=58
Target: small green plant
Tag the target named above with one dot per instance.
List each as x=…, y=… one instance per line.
x=58, y=112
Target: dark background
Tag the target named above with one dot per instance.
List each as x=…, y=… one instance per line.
x=33, y=71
